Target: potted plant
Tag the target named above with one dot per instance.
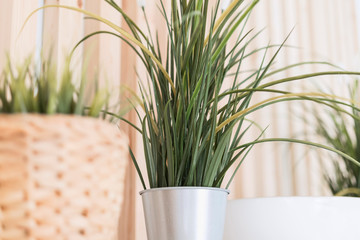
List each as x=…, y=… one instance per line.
x=196, y=105
x=61, y=169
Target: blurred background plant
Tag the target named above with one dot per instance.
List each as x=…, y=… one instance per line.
x=342, y=132
x=30, y=88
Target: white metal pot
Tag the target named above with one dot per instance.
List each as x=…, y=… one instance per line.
x=185, y=213
x=295, y=218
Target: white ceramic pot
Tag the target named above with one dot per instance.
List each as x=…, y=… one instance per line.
x=185, y=213
x=293, y=218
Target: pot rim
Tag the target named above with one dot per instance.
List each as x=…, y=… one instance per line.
x=184, y=188
x=299, y=198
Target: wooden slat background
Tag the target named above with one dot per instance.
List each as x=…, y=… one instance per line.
x=324, y=29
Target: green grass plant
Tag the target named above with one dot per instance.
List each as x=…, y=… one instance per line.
x=28, y=88
x=198, y=97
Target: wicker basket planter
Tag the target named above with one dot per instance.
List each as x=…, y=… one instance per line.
x=61, y=177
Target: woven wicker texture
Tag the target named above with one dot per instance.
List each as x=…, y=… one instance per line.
x=61, y=177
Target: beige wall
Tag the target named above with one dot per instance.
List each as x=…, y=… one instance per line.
x=324, y=29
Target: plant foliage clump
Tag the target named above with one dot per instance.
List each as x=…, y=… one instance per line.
x=196, y=102
x=28, y=88
x=342, y=132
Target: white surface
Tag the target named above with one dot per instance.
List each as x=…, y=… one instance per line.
x=293, y=218
x=141, y=3
x=225, y=4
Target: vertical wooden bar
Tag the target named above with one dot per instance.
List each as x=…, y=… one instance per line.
x=128, y=77
x=304, y=39
x=22, y=43
x=6, y=9
x=295, y=151
x=91, y=47
x=110, y=54
x=246, y=182
x=51, y=30
x=71, y=30
x=275, y=167
x=355, y=19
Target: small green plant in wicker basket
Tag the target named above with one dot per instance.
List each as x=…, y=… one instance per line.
x=199, y=97
x=342, y=132
x=28, y=88
x=51, y=146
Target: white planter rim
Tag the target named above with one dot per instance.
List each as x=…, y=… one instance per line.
x=296, y=198
x=184, y=188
